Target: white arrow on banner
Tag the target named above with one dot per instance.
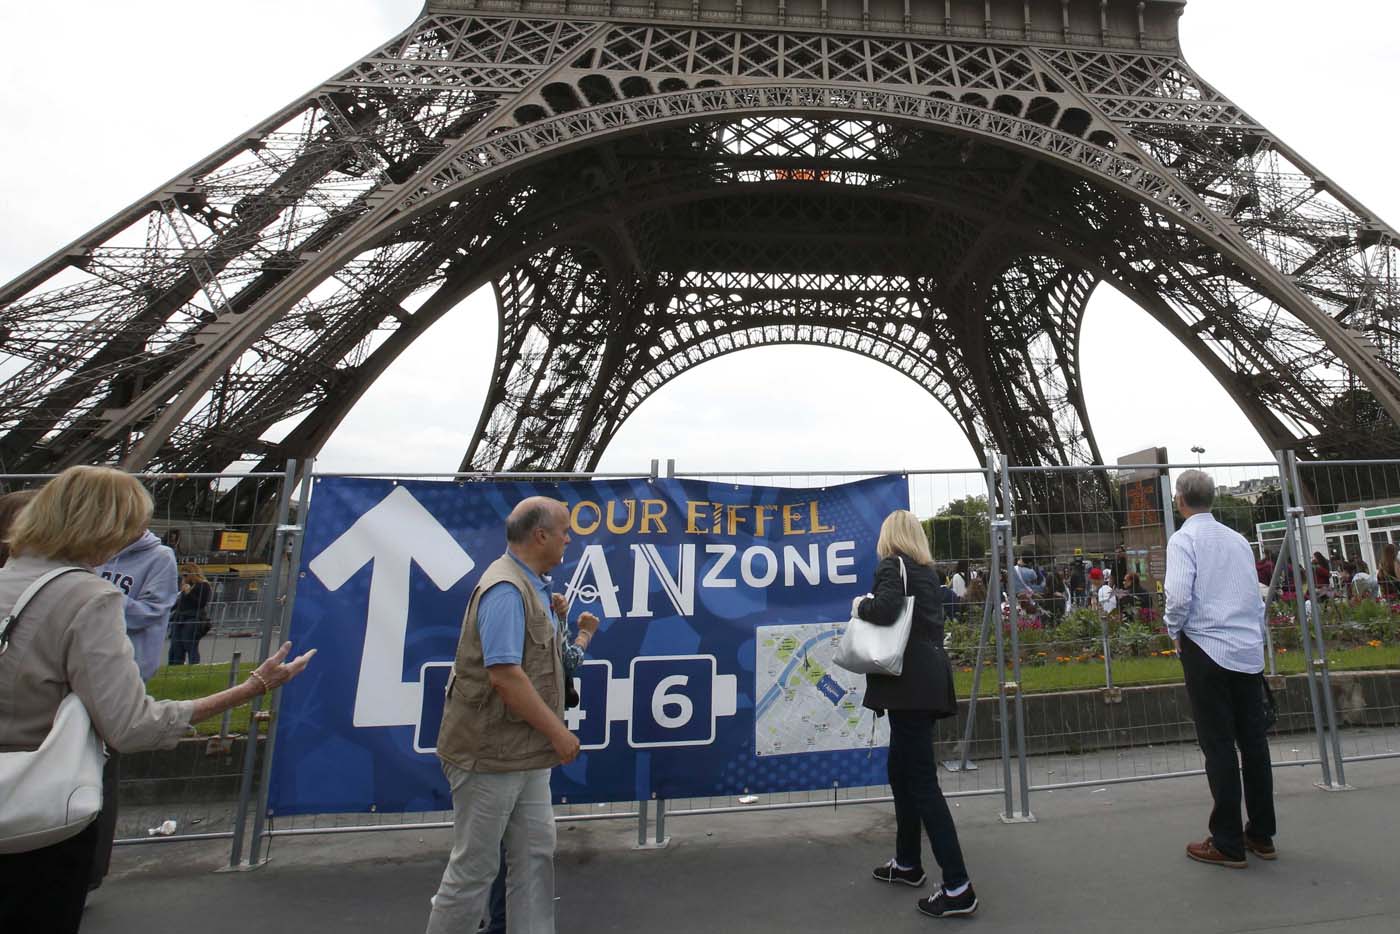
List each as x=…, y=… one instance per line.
x=397, y=533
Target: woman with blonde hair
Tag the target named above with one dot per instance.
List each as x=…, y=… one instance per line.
x=919, y=695
x=71, y=638
x=189, y=621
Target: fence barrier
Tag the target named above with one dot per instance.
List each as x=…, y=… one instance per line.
x=1065, y=675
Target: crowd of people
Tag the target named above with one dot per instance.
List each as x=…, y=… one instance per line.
x=503, y=728
x=1050, y=590
x=1350, y=580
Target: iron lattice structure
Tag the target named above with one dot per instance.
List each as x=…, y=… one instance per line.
x=937, y=184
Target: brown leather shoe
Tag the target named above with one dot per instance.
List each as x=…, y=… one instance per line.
x=1205, y=852
x=1264, y=849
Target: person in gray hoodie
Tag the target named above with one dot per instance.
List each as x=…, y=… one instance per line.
x=145, y=573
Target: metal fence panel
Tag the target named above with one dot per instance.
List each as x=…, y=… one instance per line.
x=1350, y=513
x=1104, y=697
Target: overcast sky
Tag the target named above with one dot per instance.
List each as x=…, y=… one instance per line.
x=102, y=107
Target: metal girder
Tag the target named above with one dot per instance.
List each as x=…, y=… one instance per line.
x=938, y=193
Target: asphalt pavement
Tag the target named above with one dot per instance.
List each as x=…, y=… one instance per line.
x=1097, y=859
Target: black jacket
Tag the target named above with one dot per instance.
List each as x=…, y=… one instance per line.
x=926, y=682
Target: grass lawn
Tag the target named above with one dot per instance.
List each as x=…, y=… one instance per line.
x=1076, y=676
x=185, y=682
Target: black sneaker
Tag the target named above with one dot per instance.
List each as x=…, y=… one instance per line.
x=943, y=905
x=892, y=873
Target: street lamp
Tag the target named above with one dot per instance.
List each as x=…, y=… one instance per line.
x=1198, y=451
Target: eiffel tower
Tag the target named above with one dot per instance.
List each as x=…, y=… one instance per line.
x=937, y=184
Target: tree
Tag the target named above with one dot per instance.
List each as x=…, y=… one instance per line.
x=1268, y=507
x=1236, y=512
x=959, y=530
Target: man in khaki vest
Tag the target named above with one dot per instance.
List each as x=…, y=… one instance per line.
x=503, y=731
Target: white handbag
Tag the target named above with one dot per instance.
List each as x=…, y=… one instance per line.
x=52, y=793
x=868, y=649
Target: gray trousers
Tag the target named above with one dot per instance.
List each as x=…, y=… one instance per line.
x=489, y=808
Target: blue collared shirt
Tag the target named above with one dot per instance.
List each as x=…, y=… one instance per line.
x=1212, y=593
x=500, y=618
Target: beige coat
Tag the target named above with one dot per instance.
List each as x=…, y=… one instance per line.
x=72, y=638
x=479, y=733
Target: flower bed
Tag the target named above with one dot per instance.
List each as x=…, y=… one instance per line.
x=1358, y=636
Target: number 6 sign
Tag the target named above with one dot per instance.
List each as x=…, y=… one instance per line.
x=673, y=701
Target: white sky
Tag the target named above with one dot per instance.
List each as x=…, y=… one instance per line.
x=102, y=102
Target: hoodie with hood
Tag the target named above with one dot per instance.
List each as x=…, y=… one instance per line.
x=145, y=573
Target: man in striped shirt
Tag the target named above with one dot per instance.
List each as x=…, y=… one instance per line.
x=1217, y=619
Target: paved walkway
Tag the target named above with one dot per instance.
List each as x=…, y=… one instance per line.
x=1105, y=859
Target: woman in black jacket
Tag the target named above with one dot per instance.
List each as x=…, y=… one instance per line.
x=921, y=694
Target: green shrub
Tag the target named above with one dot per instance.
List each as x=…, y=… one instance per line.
x=1133, y=638
x=1082, y=623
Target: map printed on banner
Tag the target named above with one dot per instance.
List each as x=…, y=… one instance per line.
x=710, y=674
x=806, y=703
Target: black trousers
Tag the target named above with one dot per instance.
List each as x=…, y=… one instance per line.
x=43, y=891
x=106, y=820
x=1228, y=707
x=918, y=801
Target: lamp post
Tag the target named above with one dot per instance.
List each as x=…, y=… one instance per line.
x=1198, y=451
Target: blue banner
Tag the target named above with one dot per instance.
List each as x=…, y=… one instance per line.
x=710, y=674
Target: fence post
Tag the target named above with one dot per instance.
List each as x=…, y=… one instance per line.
x=1107, y=656
x=963, y=763
x=1319, y=645
x=221, y=742
x=642, y=802
x=1296, y=525
x=999, y=528
x=269, y=608
x=661, y=839
x=290, y=539
x=1269, y=601
x=1008, y=505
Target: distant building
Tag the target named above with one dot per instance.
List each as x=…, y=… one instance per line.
x=1249, y=490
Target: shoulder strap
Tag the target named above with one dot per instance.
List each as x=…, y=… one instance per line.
x=8, y=623
x=902, y=576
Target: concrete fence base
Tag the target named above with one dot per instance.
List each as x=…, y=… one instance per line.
x=1061, y=723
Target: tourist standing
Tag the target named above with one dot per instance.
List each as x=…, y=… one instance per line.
x=1388, y=573
x=919, y=695
x=189, y=622
x=1217, y=619
x=1321, y=576
x=1078, y=582
x=71, y=638
x=503, y=731
x=144, y=571
x=958, y=582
